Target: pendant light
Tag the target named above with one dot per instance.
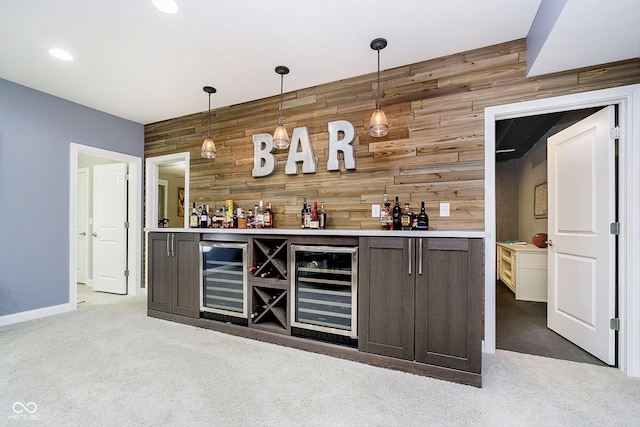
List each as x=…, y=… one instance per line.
x=280, y=136
x=379, y=125
x=208, y=150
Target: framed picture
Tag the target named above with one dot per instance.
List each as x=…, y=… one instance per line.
x=540, y=200
x=180, y=201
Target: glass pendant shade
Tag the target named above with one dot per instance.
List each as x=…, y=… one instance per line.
x=208, y=150
x=281, y=138
x=379, y=125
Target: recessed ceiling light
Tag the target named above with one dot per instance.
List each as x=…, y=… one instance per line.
x=166, y=6
x=61, y=54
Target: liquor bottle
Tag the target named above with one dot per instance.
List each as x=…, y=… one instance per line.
x=407, y=218
x=204, y=217
x=385, y=214
x=422, y=220
x=307, y=217
x=194, y=219
x=397, y=220
x=323, y=217
x=268, y=217
x=260, y=216
x=303, y=213
x=315, y=220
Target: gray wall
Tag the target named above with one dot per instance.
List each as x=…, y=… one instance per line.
x=507, y=207
x=36, y=130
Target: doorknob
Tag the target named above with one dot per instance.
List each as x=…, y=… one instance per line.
x=94, y=234
x=549, y=242
x=82, y=234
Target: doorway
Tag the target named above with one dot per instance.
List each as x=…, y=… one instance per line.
x=80, y=157
x=520, y=169
x=627, y=99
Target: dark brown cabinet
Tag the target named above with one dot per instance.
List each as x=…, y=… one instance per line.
x=421, y=299
x=173, y=273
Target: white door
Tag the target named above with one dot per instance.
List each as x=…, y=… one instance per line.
x=82, y=225
x=109, y=231
x=581, y=285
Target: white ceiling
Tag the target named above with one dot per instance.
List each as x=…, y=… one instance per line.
x=135, y=62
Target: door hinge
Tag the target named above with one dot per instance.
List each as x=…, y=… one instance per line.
x=126, y=273
x=126, y=224
x=126, y=177
x=614, y=133
x=615, y=324
x=614, y=228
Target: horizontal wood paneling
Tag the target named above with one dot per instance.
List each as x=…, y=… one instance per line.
x=434, y=151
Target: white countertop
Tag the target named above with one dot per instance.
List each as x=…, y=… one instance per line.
x=329, y=232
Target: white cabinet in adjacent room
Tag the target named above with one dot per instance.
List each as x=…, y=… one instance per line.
x=523, y=268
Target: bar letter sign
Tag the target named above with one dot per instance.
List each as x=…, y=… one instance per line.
x=300, y=150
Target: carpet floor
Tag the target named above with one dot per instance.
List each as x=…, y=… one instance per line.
x=108, y=364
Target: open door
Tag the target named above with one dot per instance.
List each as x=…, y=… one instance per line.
x=109, y=229
x=581, y=253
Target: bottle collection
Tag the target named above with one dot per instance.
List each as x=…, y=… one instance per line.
x=312, y=217
x=261, y=216
x=397, y=219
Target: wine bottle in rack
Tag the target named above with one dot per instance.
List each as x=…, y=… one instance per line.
x=255, y=268
x=258, y=311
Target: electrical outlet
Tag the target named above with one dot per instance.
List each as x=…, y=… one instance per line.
x=375, y=211
x=444, y=209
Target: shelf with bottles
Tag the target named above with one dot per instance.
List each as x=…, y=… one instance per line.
x=269, y=309
x=269, y=259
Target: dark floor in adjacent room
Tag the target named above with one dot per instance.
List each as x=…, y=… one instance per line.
x=521, y=326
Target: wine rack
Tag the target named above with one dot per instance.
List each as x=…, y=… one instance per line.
x=269, y=260
x=269, y=309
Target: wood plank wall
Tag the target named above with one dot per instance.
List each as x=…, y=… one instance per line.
x=434, y=150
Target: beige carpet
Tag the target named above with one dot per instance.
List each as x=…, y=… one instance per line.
x=109, y=364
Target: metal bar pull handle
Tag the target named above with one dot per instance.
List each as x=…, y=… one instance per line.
x=168, y=237
x=420, y=257
x=173, y=244
x=410, y=256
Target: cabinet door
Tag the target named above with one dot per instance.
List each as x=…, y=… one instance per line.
x=386, y=289
x=185, y=292
x=449, y=303
x=160, y=271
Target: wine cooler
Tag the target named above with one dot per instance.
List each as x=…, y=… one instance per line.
x=223, y=269
x=324, y=284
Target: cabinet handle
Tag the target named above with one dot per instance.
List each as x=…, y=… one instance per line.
x=173, y=244
x=410, y=256
x=420, y=257
x=168, y=236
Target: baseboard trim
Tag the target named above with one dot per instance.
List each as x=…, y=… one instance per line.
x=37, y=313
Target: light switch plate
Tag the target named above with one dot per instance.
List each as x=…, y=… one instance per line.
x=375, y=211
x=444, y=209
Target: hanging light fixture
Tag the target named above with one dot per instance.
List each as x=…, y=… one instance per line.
x=208, y=150
x=280, y=136
x=379, y=125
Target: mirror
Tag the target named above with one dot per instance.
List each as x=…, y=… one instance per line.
x=167, y=191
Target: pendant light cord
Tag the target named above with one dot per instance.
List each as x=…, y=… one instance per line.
x=281, y=89
x=378, y=91
x=209, y=130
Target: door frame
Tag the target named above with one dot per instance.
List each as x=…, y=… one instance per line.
x=86, y=240
x=627, y=98
x=134, y=210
